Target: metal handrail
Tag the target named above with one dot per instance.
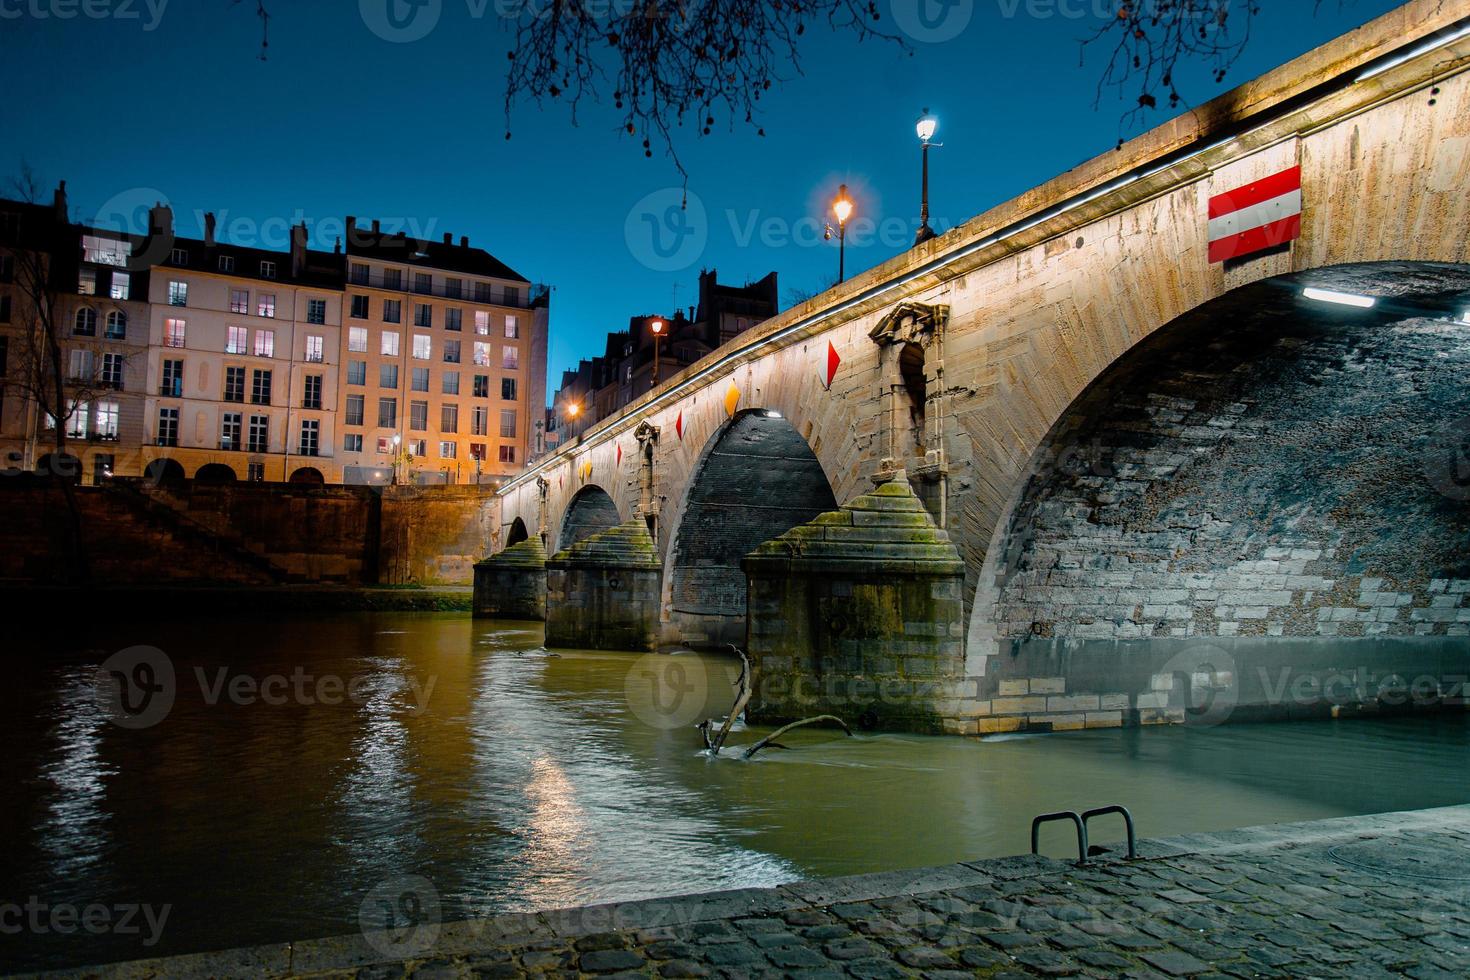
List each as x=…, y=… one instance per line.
x=1127, y=822
x=1071, y=815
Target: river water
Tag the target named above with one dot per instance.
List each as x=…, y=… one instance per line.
x=303, y=763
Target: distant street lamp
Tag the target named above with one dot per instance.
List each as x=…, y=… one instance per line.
x=573, y=410
x=926, y=126
x=397, y=441
x=842, y=208
x=657, y=326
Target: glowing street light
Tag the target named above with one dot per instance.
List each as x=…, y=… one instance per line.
x=925, y=127
x=657, y=326
x=1341, y=299
x=842, y=208
x=397, y=441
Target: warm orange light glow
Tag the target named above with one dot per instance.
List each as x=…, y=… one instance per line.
x=573, y=409
x=842, y=207
x=657, y=326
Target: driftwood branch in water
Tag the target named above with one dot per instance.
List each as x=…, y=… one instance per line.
x=771, y=738
x=740, y=701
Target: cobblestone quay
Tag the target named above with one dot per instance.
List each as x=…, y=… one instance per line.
x=1373, y=896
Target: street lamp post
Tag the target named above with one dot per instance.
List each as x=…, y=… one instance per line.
x=397, y=441
x=925, y=128
x=657, y=326
x=573, y=410
x=842, y=208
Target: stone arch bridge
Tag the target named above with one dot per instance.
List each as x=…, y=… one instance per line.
x=1172, y=482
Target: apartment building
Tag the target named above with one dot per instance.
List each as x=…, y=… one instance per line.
x=444, y=361
x=186, y=358
x=243, y=352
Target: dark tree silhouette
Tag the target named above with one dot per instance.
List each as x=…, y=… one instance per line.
x=672, y=65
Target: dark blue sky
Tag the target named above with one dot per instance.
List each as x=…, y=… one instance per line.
x=341, y=121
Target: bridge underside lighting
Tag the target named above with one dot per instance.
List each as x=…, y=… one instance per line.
x=1341, y=299
x=772, y=415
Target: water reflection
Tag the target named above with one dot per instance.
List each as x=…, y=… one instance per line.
x=515, y=779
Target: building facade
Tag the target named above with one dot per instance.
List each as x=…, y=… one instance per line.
x=391, y=358
x=440, y=351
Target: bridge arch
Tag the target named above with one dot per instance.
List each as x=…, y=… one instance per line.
x=517, y=533
x=756, y=478
x=1266, y=465
x=591, y=509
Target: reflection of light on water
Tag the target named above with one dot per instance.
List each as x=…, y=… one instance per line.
x=74, y=810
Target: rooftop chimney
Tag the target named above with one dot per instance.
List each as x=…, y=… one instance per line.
x=377, y=227
x=298, y=249
x=464, y=241
x=209, y=222
x=161, y=221
x=337, y=248
x=448, y=238
x=58, y=201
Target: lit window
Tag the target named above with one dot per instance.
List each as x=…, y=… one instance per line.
x=178, y=294
x=240, y=301
x=87, y=282
x=482, y=323
x=512, y=328
x=357, y=339
x=390, y=343
x=510, y=359
x=76, y=422
x=122, y=285
x=482, y=354
x=105, y=426
x=418, y=447
x=265, y=343
x=105, y=251
x=173, y=332
x=237, y=341
x=266, y=305
x=82, y=365
x=230, y=426
x=422, y=345
x=315, y=349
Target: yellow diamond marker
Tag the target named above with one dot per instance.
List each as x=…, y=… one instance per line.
x=732, y=399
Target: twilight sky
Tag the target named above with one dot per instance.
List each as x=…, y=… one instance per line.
x=355, y=113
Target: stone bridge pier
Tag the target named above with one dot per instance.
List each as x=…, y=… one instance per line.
x=1073, y=464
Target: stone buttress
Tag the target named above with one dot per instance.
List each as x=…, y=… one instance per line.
x=859, y=613
x=602, y=593
x=512, y=583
